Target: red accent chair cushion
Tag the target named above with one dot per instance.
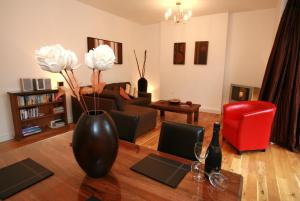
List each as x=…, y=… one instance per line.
x=247, y=124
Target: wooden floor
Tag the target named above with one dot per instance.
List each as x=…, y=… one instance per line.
x=272, y=175
x=268, y=176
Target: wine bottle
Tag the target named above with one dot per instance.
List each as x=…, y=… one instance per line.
x=213, y=154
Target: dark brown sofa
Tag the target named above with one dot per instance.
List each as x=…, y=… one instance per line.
x=133, y=118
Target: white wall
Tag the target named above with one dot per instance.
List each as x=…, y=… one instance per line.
x=279, y=10
x=148, y=37
x=28, y=25
x=239, y=48
x=197, y=83
x=250, y=39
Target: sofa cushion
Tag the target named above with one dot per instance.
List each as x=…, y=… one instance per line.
x=147, y=117
x=116, y=86
x=138, y=101
x=114, y=95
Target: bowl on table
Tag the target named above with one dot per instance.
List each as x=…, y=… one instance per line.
x=174, y=101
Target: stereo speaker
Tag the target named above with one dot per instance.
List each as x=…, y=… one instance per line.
x=26, y=84
x=47, y=84
x=38, y=84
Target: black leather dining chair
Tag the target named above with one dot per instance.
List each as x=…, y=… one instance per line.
x=179, y=139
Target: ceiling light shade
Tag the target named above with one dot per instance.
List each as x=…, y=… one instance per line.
x=185, y=17
x=166, y=16
x=179, y=15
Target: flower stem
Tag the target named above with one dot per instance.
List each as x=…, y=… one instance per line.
x=81, y=96
x=72, y=90
x=98, y=103
x=94, y=96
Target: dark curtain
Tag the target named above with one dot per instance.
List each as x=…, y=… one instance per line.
x=281, y=84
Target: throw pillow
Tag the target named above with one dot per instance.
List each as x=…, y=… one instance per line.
x=123, y=94
x=127, y=89
x=131, y=91
x=135, y=93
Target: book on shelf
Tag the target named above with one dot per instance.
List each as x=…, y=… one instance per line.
x=59, y=109
x=31, y=133
x=29, y=113
x=57, y=123
x=31, y=130
x=21, y=101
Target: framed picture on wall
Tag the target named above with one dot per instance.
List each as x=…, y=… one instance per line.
x=179, y=53
x=201, y=51
x=115, y=46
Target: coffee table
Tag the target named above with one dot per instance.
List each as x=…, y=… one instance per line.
x=164, y=105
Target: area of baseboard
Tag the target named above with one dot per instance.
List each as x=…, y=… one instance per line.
x=6, y=137
x=211, y=110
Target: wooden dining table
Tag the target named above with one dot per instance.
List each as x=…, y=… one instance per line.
x=69, y=182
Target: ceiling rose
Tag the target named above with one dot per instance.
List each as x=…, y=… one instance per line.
x=179, y=15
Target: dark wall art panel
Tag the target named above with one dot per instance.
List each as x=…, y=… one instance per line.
x=116, y=46
x=201, y=51
x=179, y=53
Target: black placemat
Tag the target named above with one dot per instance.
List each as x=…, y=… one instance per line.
x=21, y=175
x=161, y=169
x=92, y=198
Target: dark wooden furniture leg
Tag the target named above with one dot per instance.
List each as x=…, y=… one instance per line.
x=189, y=117
x=162, y=113
x=196, y=116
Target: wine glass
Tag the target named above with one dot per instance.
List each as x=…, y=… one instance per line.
x=196, y=170
x=217, y=180
x=198, y=152
x=196, y=167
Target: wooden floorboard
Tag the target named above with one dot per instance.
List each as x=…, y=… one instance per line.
x=273, y=175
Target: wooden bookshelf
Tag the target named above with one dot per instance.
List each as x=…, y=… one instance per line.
x=36, y=108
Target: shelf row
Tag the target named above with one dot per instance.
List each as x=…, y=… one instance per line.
x=31, y=100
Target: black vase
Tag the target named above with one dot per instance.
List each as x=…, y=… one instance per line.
x=95, y=143
x=142, y=85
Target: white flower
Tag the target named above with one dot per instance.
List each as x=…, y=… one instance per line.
x=55, y=58
x=71, y=60
x=101, y=58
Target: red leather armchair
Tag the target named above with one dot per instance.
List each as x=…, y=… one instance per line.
x=247, y=124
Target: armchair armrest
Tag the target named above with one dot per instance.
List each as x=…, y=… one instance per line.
x=234, y=110
x=260, y=112
x=256, y=127
x=126, y=124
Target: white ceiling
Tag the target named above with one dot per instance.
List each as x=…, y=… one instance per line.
x=152, y=11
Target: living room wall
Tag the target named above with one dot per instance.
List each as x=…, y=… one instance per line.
x=28, y=25
x=239, y=48
x=249, y=43
x=148, y=37
x=197, y=83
